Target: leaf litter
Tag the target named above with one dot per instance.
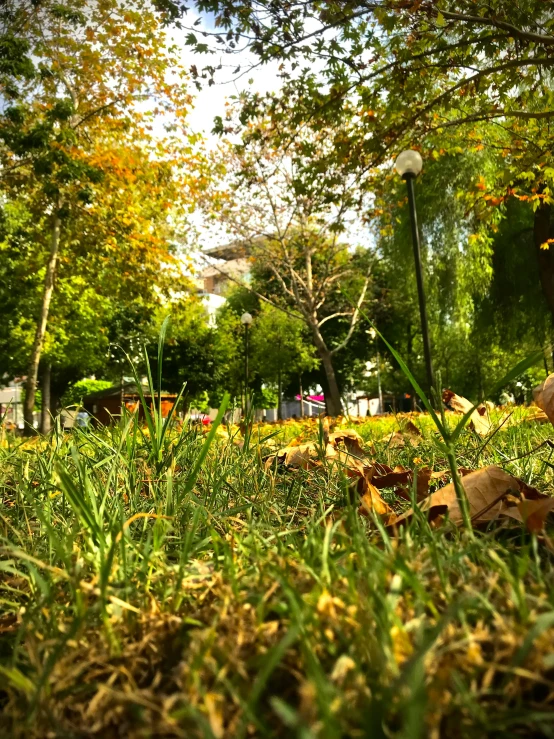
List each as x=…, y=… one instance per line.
x=493, y=495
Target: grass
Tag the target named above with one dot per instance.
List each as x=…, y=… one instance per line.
x=165, y=584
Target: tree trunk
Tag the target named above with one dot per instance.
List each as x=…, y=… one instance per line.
x=301, y=397
x=45, y=417
x=279, y=395
x=334, y=404
x=32, y=372
x=542, y=231
x=409, y=345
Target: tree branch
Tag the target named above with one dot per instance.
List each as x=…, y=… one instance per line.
x=355, y=315
x=254, y=292
x=333, y=315
x=512, y=30
x=527, y=115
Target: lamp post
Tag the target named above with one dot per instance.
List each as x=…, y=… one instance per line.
x=408, y=165
x=373, y=333
x=246, y=320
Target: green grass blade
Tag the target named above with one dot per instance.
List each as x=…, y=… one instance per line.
x=204, y=451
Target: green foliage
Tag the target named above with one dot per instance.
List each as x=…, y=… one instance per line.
x=90, y=182
x=472, y=90
x=455, y=78
x=190, y=356
x=229, y=352
x=281, y=346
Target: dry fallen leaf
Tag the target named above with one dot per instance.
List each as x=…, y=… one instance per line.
x=351, y=460
x=545, y=397
x=492, y=494
x=423, y=478
x=537, y=395
x=535, y=512
x=394, y=440
x=301, y=455
x=385, y=477
x=371, y=501
x=398, y=439
x=411, y=429
x=351, y=440
x=307, y=455
x=537, y=416
x=443, y=474
x=479, y=420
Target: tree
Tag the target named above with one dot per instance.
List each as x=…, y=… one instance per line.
x=444, y=77
x=483, y=292
x=443, y=65
x=291, y=228
x=190, y=357
x=279, y=348
x=77, y=144
x=456, y=257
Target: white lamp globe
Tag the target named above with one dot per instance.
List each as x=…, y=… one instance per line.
x=246, y=319
x=409, y=162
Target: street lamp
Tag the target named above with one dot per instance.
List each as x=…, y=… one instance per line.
x=408, y=165
x=246, y=320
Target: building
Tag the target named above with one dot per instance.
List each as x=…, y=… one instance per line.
x=105, y=405
x=231, y=266
x=11, y=405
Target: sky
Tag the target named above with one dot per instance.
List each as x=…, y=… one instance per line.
x=210, y=101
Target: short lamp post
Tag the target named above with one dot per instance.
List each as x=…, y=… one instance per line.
x=246, y=320
x=408, y=165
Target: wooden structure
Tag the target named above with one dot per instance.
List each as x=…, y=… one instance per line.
x=105, y=405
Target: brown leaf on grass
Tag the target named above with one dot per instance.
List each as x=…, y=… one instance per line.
x=351, y=440
x=397, y=439
x=535, y=512
x=443, y=474
x=545, y=397
x=457, y=403
x=423, y=478
x=401, y=476
x=486, y=490
x=301, y=455
x=394, y=440
x=389, y=478
x=463, y=471
x=537, y=395
x=411, y=429
x=537, y=416
x=371, y=500
x=8, y=623
x=479, y=420
x=403, y=493
x=307, y=455
x=440, y=475
x=492, y=494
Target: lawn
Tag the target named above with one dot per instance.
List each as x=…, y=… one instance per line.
x=188, y=583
